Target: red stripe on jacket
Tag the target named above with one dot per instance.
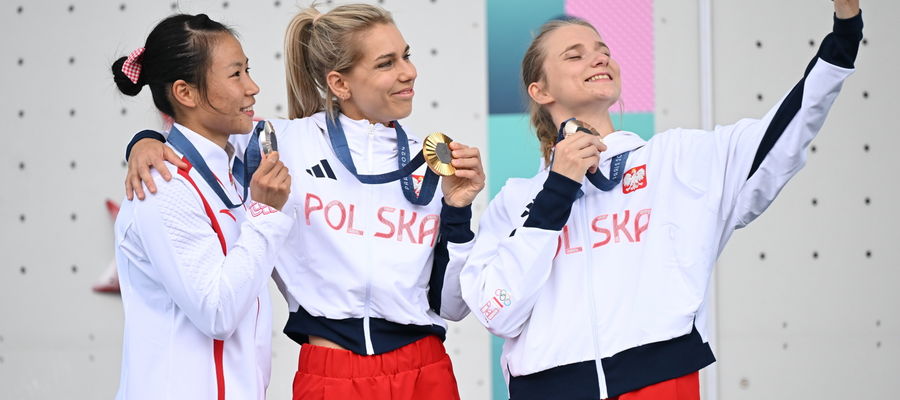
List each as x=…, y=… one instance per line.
x=218, y=345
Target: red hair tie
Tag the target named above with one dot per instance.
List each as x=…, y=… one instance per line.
x=132, y=66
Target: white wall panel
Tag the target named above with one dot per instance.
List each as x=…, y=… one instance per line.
x=807, y=300
x=677, y=64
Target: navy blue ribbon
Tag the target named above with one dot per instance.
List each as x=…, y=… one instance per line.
x=616, y=170
x=406, y=165
x=243, y=171
x=183, y=145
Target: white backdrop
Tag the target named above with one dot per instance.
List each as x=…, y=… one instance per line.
x=807, y=300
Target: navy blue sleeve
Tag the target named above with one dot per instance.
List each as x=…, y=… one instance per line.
x=553, y=203
x=838, y=48
x=456, y=223
x=842, y=44
x=146, y=134
x=456, y=228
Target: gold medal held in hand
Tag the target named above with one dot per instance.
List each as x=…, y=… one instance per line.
x=437, y=154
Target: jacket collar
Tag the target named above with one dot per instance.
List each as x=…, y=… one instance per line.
x=219, y=160
x=619, y=142
x=356, y=128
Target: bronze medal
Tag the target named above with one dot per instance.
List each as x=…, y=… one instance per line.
x=574, y=125
x=437, y=154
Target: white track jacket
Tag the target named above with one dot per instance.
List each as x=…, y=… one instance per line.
x=363, y=267
x=193, y=275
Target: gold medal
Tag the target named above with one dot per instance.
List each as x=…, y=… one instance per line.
x=437, y=154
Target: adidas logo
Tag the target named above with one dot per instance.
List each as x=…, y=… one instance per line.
x=321, y=170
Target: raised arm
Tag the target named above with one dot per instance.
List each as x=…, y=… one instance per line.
x=788, y=129
x=147, y=152
x=749, y=162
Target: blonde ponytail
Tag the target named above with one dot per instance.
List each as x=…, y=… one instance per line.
x=316, y=44
x=305, y=97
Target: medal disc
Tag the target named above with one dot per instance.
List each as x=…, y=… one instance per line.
x=437, y=154
x=573, y=125
x=269, y=142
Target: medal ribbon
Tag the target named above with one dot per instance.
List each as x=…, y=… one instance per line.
x=243, y=171
x=183, y=145
x=406, y=166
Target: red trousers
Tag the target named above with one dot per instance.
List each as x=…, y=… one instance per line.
x=682, y=388
x=419, y=370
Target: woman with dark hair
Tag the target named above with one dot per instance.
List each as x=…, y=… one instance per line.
x=597, y=277
x=195, y=257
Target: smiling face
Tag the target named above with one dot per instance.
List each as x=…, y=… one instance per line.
x=379, y=87
x=230, y=92
x=579, y=72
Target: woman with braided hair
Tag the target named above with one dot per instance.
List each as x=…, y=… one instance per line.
x=595, y=270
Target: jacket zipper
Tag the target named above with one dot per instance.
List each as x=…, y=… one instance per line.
x=367, y=332
x=601, y=376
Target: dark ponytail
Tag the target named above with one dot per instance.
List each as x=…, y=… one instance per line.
x=178, y=48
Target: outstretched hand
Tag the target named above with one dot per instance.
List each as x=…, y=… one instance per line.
x=845, y=9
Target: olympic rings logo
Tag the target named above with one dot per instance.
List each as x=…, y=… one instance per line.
x=503, y=297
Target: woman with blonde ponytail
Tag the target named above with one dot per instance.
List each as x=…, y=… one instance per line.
x=595, y=270
x=371, y=270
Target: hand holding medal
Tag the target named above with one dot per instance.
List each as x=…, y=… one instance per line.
x=271, y=181
x=577, y=150
x=459, y=188
x=572, y=125
x=580, y=156
x=438, y=155
x=460, y=165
